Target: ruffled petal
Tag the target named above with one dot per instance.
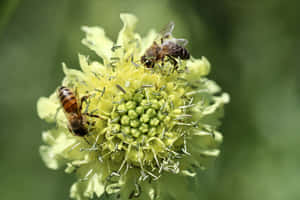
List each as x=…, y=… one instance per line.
x=89, y=67
x=97, y=41
x=77, y=191
x=176, y=187
x=218, y=103
x=72, y=76
x=127, y=35
x=147, y=41
x=59, y=148
x=87, y=189
x=47, y=108
x=209, y=113
x=197, y=68
x=212, y=86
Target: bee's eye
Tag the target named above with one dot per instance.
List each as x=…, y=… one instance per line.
x=148, y=63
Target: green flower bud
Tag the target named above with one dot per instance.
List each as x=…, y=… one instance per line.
x=114, y=115
x=151, y=112
x=167, y=119
x=122, y=108
x=138, y=97
x=130, y=105
x=134, y=123
x=139, y=110
x=145, y=118
x=144, y=128
x=116, y=128
x=161, y=116
x=152, y=132
x=125, y=129
x=146, y=104
x=125, y=120
x=154, y=122
x=135, y=132
x=155, y=104
x=132, y=114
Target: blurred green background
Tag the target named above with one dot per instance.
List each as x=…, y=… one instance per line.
x=254, y=50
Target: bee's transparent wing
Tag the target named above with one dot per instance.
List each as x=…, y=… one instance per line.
x=182, y=42
x=167, y=30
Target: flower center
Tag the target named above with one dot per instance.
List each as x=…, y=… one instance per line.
x=144, y=125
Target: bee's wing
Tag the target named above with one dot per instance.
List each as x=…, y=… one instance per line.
x=79, y=106
x=167, y=30
x=182, y=42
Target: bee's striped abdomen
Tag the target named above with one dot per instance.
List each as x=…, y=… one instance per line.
x=68, y=100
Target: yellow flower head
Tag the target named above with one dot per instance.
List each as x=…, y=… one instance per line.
x=146, y=127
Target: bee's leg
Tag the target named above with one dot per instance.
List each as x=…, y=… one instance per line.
x=83, y=99
x=152, y=65
x=175, y=63
x=92, y=115
x=91, y=123
x=162, y=61
x=95, y=116
x=90, y=128
x=162, y=40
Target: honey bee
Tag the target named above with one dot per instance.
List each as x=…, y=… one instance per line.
x=170, y=47
x=77, y=120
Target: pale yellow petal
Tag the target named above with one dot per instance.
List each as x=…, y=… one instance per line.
x=97, y=41
x=58, y=146
x=72, y=76
x=47, y=108
x=147, y=41
x=87, y=189
x=197, y=68
x=219, y=102
x=89, y=67
x=127, y=34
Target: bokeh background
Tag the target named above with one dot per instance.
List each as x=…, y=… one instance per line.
x=253, y=46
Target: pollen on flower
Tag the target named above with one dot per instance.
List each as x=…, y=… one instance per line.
x=145, y=125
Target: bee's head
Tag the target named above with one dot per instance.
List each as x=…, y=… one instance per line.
x=147, y=62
